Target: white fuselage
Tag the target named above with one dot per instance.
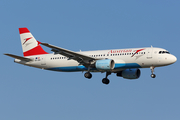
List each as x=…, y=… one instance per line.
x=123, y=58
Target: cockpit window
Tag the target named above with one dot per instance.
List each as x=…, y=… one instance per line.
x=167, y=52
x=163, y=52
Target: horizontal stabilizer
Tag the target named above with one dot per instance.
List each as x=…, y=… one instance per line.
x=19, y=57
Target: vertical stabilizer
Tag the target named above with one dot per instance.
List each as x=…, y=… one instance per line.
x=29, y=44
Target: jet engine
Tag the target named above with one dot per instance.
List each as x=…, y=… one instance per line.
x=130, y=73
x=106, y=64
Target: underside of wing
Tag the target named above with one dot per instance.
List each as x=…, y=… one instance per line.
x=81, y=58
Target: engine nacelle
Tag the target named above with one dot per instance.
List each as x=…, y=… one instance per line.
x=130, y=73
x=106, y=64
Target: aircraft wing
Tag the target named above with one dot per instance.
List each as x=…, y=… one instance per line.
x=18, y=57
x=81, y=58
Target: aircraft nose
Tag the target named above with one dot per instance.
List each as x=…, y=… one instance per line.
x=173, y=59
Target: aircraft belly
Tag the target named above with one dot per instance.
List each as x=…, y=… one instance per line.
x=126, y=65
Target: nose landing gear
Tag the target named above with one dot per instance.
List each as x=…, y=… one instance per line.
x=152, y=71
x=153, y=75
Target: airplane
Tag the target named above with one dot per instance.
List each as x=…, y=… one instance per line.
x=124, y=63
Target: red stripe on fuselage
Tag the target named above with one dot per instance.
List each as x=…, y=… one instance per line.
x=137, y=52
x=35, y=51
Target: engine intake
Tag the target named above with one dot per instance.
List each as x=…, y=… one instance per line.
x=130, y=74
x=107, y=64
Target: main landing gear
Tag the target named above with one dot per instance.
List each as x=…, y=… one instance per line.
x=152, y=71
x=88, y=75
x=104, y=80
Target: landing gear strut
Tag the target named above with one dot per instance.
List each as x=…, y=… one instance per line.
x=106, y=80
x=152, y=71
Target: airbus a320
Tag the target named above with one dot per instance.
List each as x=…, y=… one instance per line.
x=124, y=63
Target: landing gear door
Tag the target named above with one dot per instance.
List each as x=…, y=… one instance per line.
x=149, y=53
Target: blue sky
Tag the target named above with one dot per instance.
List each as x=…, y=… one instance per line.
x=28, y=93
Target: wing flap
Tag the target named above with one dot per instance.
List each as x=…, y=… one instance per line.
x=18, y=57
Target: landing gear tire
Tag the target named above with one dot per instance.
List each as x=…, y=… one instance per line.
x=88, y=75
x=153, y=75
x=105, y=81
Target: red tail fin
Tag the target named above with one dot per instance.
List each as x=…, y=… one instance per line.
x=30, y=45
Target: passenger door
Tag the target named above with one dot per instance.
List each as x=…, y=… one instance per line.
x=149, y=53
